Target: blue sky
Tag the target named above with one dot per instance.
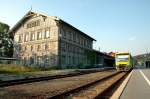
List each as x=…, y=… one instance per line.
x=117, y=25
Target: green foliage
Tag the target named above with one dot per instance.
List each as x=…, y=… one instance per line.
x=3, y=28
x=6, y=45
x=13, y=68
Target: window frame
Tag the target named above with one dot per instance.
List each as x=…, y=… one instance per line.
x=26, y=37
x=38, y=35
x=47, y=31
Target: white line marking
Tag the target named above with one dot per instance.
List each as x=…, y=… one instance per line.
x=147, y=80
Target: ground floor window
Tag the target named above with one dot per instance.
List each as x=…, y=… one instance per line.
x=63, y=59
x=31, y=60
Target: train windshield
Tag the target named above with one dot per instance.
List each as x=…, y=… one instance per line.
x=123, y=58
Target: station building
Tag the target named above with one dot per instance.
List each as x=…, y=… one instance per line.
x=45, y=40
x=104, y=59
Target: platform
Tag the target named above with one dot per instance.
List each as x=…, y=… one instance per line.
x=138, y=86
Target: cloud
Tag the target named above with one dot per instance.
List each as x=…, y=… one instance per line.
x=132, y=38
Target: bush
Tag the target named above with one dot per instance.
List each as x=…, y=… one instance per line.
x=13, y=68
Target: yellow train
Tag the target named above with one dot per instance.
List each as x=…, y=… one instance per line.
x=123, y=61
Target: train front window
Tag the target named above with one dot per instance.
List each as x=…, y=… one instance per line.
x=121, y=58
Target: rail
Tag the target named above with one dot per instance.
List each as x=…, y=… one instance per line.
x=94, y=90
x=30, y=80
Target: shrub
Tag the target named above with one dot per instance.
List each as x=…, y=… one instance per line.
x=13, y=68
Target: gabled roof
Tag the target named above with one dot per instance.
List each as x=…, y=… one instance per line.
x=25, y=17
x=76, y=29
x=31, y=13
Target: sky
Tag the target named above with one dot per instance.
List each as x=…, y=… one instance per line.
x=117, y=25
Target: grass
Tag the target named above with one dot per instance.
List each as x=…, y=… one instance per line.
x=13, y=68
x=16, y=69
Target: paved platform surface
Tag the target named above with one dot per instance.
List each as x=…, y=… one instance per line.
x=138, y=86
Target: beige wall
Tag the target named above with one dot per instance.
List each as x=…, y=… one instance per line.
x=66, y=45
x=26, y=53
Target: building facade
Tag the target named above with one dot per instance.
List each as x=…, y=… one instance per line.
x=46, y=41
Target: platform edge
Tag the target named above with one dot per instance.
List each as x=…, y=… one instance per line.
x=120, y=89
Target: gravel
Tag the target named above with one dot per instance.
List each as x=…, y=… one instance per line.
x=45, y=89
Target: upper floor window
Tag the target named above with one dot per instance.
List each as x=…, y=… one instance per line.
x=62, y=32
x=19, y=47
x=31, y=47
x=39, y=47
x=77, y=38
x=47, y=34
x=46, y=46
x=63, y=46
x=20, y=39
x=26, y=37
x=25, y=48
x=32, y=37
x=69, y=35
x=39, y=35
x=33, y=24
x=74, y=37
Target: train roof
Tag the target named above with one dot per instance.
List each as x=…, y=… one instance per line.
x=123, y=53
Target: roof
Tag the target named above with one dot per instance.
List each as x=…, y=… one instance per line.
x=17, y=25
x=124, y=53
x=30, y=13
x=76, y=29
x=102, y=53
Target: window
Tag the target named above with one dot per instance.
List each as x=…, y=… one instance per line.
x=32, y=36
x=77, y=38
x=31, y=47
x=69, y=35
x=63, y=46
x=61, y=33
x=69, y=60
x=84, y=42
x=46, y=46
x=38, y=48
x=73, y=49
x=74, y=37
x=26, y=37
x=39, y=35
x=64, y=34
x=63, y=59
x=46, y=59
x=47, y=34
x=19, y=47
x=31, y=60
x=20, y=39
x=25, y=48
x=38, y=23
x=33, y=24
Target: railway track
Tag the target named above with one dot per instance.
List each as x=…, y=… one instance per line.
x=99, y=89
x=37, y=79
x=88, y=86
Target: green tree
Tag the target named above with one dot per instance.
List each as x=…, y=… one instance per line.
x=6, y=46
